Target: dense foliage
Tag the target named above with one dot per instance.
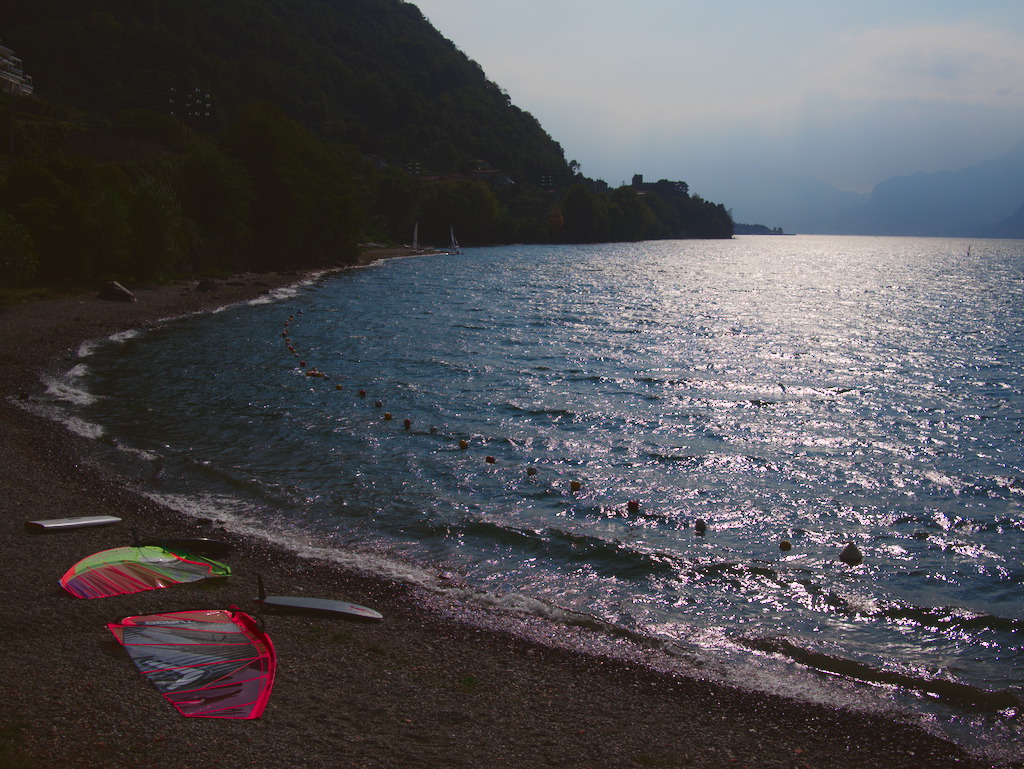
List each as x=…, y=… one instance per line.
x=171, y=137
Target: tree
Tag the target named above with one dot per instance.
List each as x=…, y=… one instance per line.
x=306, y=206
x=161, y=235
x=18, y=259
x=585, y=216
x=217, y=194
x=632, y=219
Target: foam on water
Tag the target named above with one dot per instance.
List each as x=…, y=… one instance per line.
x=121, y=337
x=62, y=390
x=74, y=424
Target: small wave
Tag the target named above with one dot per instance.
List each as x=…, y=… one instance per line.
x=519, y=603
x=83, y=428
x=123, y=336
x=61, y=390
x=90, y=346
x=277, y=294
x=540, y=411
x=238, y=517
x=605, y=557
x=87, y=348
x=958, y=694
x=952, y=621
x=147, y=456
x=77, y=371
x=609, y=558
x=76, y=425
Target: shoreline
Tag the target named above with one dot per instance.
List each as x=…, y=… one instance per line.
x=419, y=689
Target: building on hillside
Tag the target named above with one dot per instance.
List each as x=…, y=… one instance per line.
x=12, y=77
x=663, y=186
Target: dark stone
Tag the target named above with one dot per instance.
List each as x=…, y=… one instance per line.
x=851, y=555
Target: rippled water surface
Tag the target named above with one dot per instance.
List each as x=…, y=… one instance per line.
x=813, y=390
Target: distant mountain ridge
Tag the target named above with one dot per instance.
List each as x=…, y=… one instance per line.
x=1011, y=227
x=982, y=200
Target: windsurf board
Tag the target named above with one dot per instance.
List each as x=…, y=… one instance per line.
x=319, y=605
x=78, y=522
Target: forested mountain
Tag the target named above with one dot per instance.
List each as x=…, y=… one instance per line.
x=372, y=73
x=187, y=136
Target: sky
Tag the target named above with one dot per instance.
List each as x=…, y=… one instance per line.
x=847, y=93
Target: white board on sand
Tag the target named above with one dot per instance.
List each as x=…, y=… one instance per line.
x=71, y=523
x=321, y=605
x=314, y=605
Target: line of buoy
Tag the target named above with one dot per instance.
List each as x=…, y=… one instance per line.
x=851, y=554
x=574, y=485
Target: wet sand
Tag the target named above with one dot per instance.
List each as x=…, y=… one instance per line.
x=426, y=687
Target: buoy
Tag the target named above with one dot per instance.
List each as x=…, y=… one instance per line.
x=379, y=404
x=851, y=555
x=463, y=444
x=700, y=526
x=387, y=416
x=531, y=470
x=302, y=363
x=575, y=486
x=408, y=424
x=362, y=393
x=633, y=505
x=337, y=387
x=491, y=460
x=785, y=545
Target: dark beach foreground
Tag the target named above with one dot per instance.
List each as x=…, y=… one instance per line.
x=423, y=688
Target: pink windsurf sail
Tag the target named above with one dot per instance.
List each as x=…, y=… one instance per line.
x=133, y=569
x=214, y=663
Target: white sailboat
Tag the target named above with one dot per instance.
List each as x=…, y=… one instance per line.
x=454, y=247
x=416, y=237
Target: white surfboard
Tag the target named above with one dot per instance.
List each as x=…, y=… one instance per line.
x=315, y=605
x=71, y=523
x=325, y=605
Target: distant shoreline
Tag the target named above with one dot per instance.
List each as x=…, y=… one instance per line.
x=424, y=688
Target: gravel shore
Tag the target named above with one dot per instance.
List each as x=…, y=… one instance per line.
x=423, y=688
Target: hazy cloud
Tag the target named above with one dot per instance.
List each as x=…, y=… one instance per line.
x=847, y=93
x=960, y=63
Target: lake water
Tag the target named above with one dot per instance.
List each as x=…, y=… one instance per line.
x=807, y=390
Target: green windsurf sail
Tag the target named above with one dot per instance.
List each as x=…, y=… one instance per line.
x=134, y=569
